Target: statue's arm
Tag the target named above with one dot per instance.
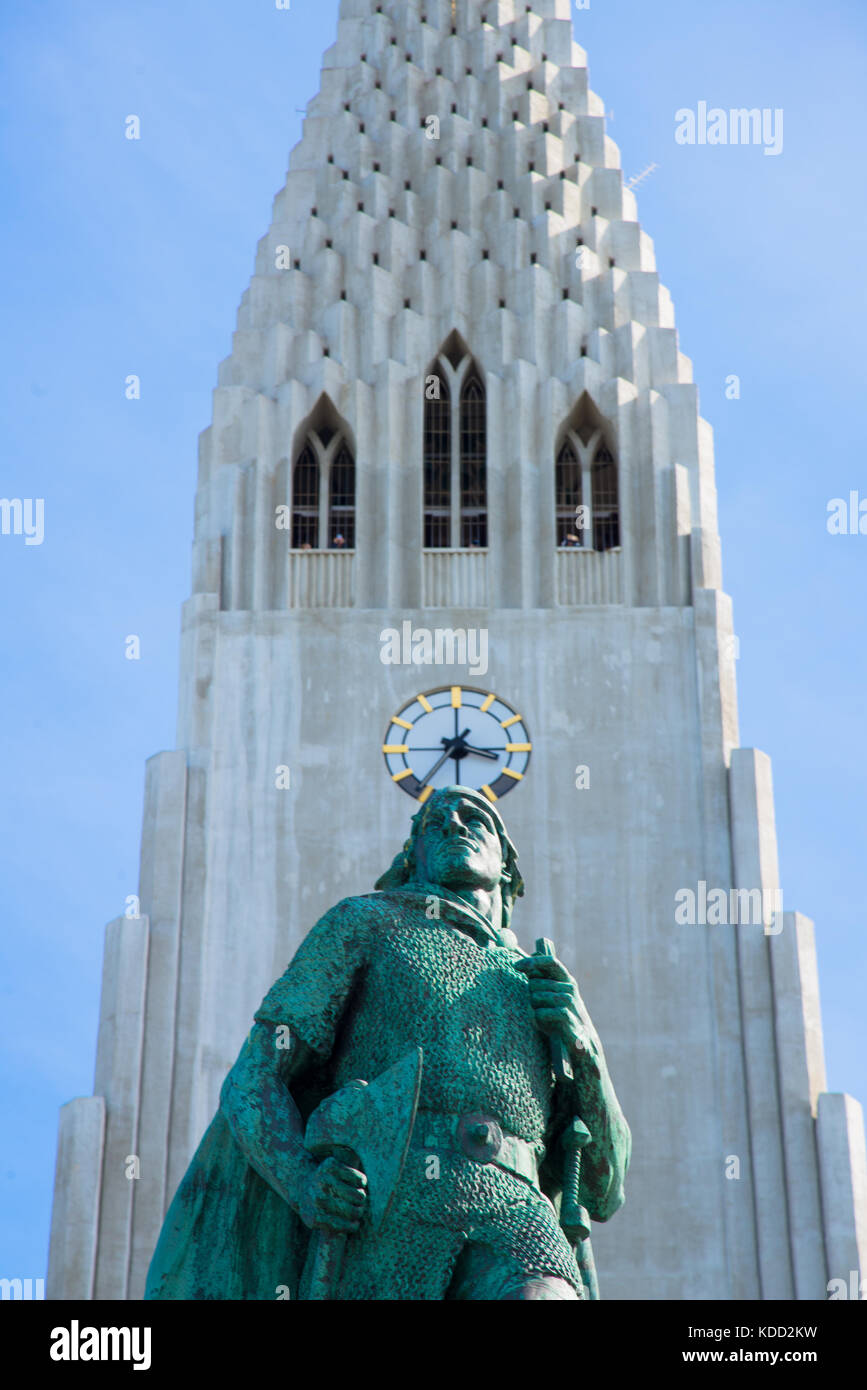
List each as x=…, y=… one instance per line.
x=265, y=1122
x=606, y=1159
x=257, y=1102
x=560, y=1011
x=303, y=1009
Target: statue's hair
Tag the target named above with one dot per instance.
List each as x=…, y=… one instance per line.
x=402, y=872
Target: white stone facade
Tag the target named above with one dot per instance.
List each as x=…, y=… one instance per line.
x=748, y=1180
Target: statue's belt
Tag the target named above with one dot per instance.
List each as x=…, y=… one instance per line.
x=480, y=1137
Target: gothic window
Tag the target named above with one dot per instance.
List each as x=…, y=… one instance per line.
x=455, y=452
x=305, y=501
x=606, y=512
x=569, y=492
x=341, y=519
x=586, y=488
x=323, y=492
x=474, y=494
x=437, y=469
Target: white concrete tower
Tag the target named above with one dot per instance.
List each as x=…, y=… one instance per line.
x=455, y=210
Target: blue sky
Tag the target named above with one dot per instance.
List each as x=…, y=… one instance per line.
x=130, y=257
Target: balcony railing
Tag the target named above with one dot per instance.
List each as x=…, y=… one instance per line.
x=321, y=579
x=451, y=578
x=455, y=579
x=589, y=576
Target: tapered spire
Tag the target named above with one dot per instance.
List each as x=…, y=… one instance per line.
x=453, y=176
x=453, y=168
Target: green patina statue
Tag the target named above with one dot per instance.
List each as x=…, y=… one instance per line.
x=421, y=1110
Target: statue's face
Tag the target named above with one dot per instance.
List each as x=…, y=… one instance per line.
x=458, y=845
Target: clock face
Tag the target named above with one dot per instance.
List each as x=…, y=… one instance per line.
x=457, y=736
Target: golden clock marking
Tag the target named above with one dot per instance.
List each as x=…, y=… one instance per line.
x=428, y=791
x=488, y=793
x=518, y=776
x=395, y=748
x=518, y=747
x=457, y=696
x=487, y=705
x=507, y=723
x=425, y=704
x=399, y=776
x=403, y=723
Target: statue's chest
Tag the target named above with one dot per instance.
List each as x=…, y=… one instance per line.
x=467, y=1008
x=445, y=982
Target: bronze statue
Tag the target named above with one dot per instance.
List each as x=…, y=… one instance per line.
x=429, y=1101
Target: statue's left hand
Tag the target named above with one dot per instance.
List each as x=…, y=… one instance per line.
x=559, y=1009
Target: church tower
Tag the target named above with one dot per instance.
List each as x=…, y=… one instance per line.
x=457, y=473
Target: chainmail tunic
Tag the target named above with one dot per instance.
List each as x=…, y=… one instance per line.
x=379, y=976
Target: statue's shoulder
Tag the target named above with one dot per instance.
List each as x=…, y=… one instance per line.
x=359, y=914
x=353, y=924
x=393, y=907
x=320, y=975
x=365, y=905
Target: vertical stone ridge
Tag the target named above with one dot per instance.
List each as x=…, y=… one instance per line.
x=75, y=1214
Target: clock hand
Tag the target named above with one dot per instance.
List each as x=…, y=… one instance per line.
x=448, y=743
x=458, y=748
x=483, y=752
x=437, y=765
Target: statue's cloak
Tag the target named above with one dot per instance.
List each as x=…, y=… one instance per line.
x=227, y=1234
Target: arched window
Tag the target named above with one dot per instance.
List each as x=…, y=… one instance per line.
x=570, y=532
x=606, y=510
x=474, y=492
x=305, y=501
x=438, y=468
x=455, y=452
x=587, y=502
x=323, y=492
x=341, y=517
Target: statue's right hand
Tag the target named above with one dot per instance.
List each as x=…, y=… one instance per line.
x=334, y=1197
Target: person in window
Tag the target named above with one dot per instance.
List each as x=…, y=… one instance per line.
x=339, y=542
x=570, y=542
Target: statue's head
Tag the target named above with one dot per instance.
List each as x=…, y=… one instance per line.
x=458, y=840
